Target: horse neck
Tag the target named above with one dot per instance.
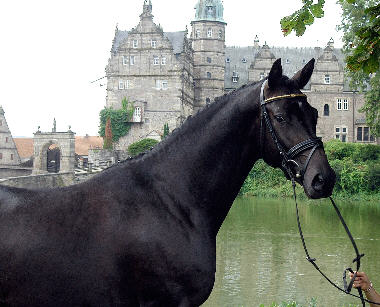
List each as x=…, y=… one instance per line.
x=208, y=159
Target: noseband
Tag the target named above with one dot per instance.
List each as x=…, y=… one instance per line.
x=287, y=157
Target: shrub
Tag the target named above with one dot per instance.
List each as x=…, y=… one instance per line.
x=141, y=146
x=366, y=152
x=374, y=177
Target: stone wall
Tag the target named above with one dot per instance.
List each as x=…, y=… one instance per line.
x=6, y=172
x=40, y=181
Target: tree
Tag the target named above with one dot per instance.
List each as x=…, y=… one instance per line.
x=166, y=131
x=108, y=135
x=361, y=26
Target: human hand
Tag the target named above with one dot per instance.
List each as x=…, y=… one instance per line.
x=361, y=281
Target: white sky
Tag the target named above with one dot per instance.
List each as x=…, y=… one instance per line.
x=52, y=49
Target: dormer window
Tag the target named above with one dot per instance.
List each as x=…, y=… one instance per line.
x=327, y=79
x=209, y=33
x=210, y=11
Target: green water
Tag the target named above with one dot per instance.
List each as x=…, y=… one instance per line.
x=260, y=258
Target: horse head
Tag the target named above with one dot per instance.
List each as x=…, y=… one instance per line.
x=288, y=132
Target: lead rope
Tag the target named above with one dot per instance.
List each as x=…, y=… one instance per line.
x=347, y=288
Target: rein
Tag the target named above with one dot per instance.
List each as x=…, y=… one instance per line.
x=287, y=159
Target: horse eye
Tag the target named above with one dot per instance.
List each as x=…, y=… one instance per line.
x=279, y=118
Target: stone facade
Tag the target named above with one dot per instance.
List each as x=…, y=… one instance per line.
x=169, y=77
x=65, y=141
x=8, y=151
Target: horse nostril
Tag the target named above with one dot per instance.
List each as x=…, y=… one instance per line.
x=318, y=182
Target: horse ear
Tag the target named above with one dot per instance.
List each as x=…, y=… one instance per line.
x=302, y=77
x=275, y=74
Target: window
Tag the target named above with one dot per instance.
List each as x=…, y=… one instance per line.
x=163, y=61
x=137, y=115
x=132, y=60
x=154, y=44
x=303, y=61
x=244, y=60
x=227, y=60
x=326, y=110
x=208, y=60
x=208, y=74
x=198, y=34
x=327, y=79
x=127, y=84
x=345, y=104
x=125, y=60
x=208, y=100
x=364, y=135
x=6, y=140
x=135, y=43
x=235, y=77
x=339, y=104
x=209, y=33
x=161, y=84
x=156, y=60
x=121, y=84
x=1, y=122
x=287, y=61
x=262, y=76
x=11, y=156
x=220, y=34
x=1, y=155
x=341, y=133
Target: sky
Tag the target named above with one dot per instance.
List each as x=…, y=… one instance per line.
x=51, y=50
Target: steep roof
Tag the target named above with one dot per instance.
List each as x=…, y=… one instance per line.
x=176, y=39
x=238, y=60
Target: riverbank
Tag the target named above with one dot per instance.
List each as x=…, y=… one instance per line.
x=357, y=167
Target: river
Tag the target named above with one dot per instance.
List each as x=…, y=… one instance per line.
x=260, y=258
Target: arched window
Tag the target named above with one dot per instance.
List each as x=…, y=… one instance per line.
x=326, y=110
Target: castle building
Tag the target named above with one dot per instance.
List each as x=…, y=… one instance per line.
x=8, y=152
x=169, y=76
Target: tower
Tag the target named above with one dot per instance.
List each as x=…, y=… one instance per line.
x=208, y=40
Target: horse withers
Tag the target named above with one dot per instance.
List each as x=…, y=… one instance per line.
x=143, y=232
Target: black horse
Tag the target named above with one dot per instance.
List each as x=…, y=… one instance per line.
x=142, y=233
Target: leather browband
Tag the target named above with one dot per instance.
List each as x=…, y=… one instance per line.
x=282, y=97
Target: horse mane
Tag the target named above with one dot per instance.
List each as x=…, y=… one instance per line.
x=191, y=120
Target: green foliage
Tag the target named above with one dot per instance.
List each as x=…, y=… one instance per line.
x=372, y=105
x=166, y=131
x=303, y=17
x=120, y=120
x=357, y=169
x=141, y=146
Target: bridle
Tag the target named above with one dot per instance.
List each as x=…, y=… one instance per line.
x=288, y=159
